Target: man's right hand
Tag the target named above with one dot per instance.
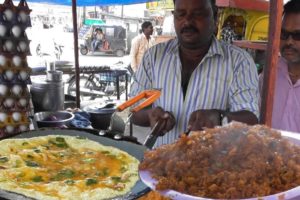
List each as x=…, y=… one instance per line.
x=167, y=118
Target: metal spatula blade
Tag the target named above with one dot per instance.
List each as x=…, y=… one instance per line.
x=153, y=135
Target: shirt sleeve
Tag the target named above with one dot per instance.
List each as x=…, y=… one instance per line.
x=133, y=53
x=142, y=80
x=260, y=83
x=244, y=91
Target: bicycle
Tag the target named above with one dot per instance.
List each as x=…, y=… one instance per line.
x=100, y=81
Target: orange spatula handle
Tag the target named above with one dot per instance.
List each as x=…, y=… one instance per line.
x=149, y=95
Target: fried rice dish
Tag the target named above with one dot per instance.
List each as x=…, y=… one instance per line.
x=232, y=162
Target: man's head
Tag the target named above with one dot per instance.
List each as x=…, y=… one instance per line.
x=290, y=32
x=195, y=22
x=99, y=30
x=147, y=28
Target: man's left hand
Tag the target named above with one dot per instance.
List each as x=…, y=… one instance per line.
x=204, y=118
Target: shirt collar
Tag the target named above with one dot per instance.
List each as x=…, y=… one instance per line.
x=144, y=36
x=283, y=67
x=214, y=49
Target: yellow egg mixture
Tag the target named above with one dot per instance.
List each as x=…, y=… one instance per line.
x=65, y=167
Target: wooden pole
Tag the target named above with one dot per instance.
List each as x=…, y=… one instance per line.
x=75, y=33
x=276, y=8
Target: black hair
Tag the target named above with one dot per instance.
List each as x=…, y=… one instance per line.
x=213, y=5
x=145, y=25
x=293, y=6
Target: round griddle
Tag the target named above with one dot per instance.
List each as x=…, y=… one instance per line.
x=133, y=149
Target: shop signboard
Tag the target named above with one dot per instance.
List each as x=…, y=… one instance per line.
x=93, y=22
x=160, y=5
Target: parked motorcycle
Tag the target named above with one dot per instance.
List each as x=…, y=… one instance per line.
x=101, y=81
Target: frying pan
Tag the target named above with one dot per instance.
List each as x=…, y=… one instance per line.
x=133, y=149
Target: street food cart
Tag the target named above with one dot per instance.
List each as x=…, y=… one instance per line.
x=137, y=150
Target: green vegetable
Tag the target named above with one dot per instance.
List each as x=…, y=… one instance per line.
x=37, y=151
x=59, y=142
x=69, y=182
x=37, y=179
x=116, y=179
x=25, y=143
x=112, y=156
x=64, y=174
x=3, y=159
x=60, y=139
x=89, y=160
x=91, y=181
x=31, y=163
x=61, y=145
x=123, y=169
x=68, y=173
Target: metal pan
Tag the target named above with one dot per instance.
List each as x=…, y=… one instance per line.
x=133, y=149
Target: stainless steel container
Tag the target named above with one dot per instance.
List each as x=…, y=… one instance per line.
x=53, y=119
x=48, y=94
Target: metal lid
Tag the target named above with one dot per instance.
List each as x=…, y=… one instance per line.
x=100, y=108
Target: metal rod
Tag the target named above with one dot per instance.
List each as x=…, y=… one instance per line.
x=118, y=86
x=75, y=36
x=126, y=87
x=276, y=8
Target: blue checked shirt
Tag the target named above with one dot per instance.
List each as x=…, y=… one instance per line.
x=225, y=79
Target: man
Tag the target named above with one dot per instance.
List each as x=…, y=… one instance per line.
x=228, y=34
x=98, y=39
x=140, y=44
x=201, y=79
x=286, y=107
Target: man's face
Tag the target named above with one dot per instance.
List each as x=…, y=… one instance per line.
x=149, y=30
x=194, y=22
x=289, y=44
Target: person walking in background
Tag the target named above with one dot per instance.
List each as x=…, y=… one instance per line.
x=203, y=81
x=286, y=106
x=140, y=44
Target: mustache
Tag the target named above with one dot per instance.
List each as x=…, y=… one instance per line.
x=189, y=29
x=288, y=47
